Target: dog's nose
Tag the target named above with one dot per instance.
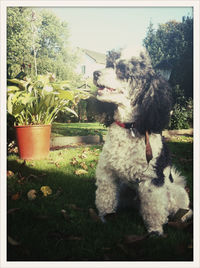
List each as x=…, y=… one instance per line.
x=96, y=74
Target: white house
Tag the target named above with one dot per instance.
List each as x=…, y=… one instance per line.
x=90, y=61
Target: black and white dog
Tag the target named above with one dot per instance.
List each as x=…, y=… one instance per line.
x=134, y=153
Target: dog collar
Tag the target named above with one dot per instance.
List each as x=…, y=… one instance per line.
x=126, y=125
x=131, y=126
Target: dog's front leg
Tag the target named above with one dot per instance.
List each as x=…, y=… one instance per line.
x=106, y=193
x=153, y=208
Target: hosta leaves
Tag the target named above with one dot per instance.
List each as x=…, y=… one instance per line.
x=39, y=102
x=70, y=110
x=65, y=94
x=12, y=88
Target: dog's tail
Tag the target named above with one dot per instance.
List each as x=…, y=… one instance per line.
x=175, y=176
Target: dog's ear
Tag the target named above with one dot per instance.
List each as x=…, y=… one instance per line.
x=154, y=103
x=111, y=57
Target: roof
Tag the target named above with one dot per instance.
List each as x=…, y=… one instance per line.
x=97, y=56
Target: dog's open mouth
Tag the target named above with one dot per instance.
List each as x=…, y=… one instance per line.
x=102, y=90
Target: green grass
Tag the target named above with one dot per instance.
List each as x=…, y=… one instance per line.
x=45, y=234
x=78, y=129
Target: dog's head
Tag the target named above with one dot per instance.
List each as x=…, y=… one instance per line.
x=133, y=82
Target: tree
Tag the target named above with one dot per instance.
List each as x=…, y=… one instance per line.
x=18, y=38
x=38, y=44
x=173, y=41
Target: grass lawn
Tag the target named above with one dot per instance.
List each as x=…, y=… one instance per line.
x=63, y=226
x=78, y=129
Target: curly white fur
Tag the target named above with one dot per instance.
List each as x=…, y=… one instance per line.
x=123, y=161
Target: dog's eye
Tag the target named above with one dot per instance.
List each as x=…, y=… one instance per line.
x=121, y=70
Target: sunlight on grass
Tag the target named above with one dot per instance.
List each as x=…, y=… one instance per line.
x=78, y=129
x=62, y=225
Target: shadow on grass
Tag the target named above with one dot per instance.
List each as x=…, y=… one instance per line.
x=45, y=234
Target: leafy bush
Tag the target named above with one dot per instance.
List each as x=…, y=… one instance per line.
x=39, y=102
x=182, y=116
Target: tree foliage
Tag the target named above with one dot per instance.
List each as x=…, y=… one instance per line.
x=173, y=41
x=18, y=38
x=37, y=43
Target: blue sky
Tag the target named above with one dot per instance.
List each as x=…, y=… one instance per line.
x=104, y=28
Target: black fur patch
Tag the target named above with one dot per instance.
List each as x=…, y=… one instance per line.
x=162, y=162
x=171, y=178
x=153, y=99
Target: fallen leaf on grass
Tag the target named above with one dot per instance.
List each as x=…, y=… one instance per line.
x=46, y=190
x=12, y=241
x=65, y=215
x=32, y=176
x=21, y=180
x=131, y=239
x=74, y=207
x=74, y=161
x=32, y=194
x=12, y=210
x=10, y=174
x=58, y=193
x=83, y=155
x=57, y=164
x=15, y=196
x=92, y=165
x=93, y=215
x=80, y=172
x=84, y=166
x=35, y=177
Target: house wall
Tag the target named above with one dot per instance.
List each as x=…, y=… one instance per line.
x=90, y=66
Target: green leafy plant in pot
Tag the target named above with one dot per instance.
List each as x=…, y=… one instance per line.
x=34, y=105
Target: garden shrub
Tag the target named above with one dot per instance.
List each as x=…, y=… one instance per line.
x=182, y=115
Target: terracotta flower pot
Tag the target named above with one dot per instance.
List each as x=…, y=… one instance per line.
x=33, y=141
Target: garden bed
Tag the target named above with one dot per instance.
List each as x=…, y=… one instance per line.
x=75, y=133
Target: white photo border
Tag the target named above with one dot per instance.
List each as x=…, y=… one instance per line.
x=3, y=187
